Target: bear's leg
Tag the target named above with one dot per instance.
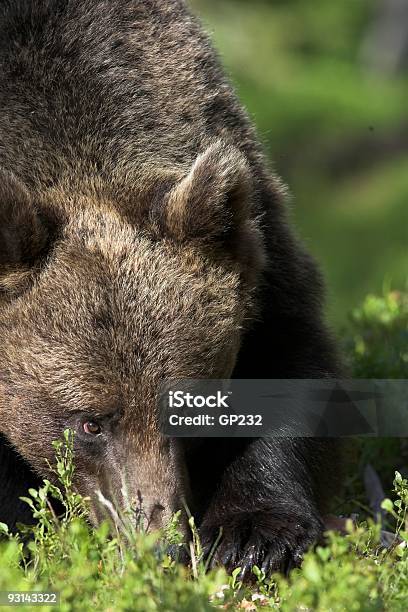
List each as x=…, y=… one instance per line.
x=266, y=506
x=270, y=498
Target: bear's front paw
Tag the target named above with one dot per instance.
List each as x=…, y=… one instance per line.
x=274, y=542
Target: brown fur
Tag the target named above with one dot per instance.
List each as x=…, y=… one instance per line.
x=102, y=314
x=142, y=236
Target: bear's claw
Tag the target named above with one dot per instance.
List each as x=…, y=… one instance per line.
x=273, y=543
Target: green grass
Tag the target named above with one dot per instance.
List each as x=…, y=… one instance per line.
x=109, y=569
x=97, y=569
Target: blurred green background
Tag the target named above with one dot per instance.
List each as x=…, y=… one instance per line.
x=327, y=86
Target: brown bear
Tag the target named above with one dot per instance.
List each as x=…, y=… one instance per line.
x=143, y=238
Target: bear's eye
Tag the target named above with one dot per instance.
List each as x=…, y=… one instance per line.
x=91, y=428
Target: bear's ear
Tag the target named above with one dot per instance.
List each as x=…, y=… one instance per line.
x=213, y=199
x=23, y=236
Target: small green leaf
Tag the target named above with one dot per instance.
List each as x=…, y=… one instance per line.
x=387, y=505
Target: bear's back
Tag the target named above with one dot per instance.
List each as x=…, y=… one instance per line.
x=116, y=91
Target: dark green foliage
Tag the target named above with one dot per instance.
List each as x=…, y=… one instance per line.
x=377, y=341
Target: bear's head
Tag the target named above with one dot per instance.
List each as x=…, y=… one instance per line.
x=96, y=311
